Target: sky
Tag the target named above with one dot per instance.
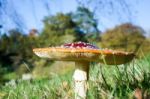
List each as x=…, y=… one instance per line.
x=33, y=12
x=143, y=15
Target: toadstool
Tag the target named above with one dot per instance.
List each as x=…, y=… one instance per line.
x=82, y=54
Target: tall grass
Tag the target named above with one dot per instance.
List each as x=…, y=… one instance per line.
x=105, y=82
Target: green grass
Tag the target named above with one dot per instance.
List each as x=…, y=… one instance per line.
x=106, y=82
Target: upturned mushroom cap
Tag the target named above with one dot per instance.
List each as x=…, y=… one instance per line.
x=80, y=51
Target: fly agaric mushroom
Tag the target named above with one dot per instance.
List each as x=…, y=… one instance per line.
x=82, y=54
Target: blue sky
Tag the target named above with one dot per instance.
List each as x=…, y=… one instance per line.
x=143, y=15
x=33, y=12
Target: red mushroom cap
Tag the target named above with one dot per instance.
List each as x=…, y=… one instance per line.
x=80, y=51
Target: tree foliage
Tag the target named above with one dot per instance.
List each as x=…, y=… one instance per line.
x=16, y=49
x=126, y=37
x=60, y=29
x=87, y=23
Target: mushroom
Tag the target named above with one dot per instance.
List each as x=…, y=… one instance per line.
x=82, y=54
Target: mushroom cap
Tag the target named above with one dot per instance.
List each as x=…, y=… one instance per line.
x=104, y=56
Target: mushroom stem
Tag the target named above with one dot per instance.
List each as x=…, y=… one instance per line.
x=80, y=77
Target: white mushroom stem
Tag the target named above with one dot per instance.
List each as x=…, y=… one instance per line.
x=80, y=77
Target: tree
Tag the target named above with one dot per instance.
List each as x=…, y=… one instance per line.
x=87, y=23
x=16, y=50
x=60, y=29
x=126, y=37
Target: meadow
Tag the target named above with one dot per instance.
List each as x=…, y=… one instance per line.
x=106, y=24
x=105, y=82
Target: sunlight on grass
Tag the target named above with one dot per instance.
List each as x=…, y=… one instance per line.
x=105, y=82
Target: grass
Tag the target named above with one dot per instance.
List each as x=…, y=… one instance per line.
x=106, y=82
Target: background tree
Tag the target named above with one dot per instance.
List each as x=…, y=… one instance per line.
x=60, y=29
x=87, y=23
x=16, y=49
x=126, y=37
